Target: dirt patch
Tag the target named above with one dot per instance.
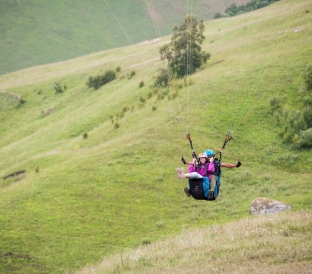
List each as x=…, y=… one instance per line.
x=14, y=174
x=48, y=111
x=217, y=62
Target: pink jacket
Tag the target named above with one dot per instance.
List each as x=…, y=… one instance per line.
x=204, y=170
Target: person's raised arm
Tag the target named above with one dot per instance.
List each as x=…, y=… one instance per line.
x=231, y=165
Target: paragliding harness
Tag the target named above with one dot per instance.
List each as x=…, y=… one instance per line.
x=198, y=188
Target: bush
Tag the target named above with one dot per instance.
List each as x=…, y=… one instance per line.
x=109, y=76
x=141, y=84
x=57, y=87
x=118, y=69
x=307, y=115
x=296, y=121
x=131, y=74
x=307, y=76
x=305, y=139
x=85, y=135
x=275, y=104
x=101, y=80
x=162, y=79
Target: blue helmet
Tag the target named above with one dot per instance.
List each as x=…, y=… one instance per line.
x=209, y=152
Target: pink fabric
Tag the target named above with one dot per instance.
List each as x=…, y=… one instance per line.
x=204, y=170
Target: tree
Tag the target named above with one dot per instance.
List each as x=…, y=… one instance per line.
x=217, y=15
x=184, y=53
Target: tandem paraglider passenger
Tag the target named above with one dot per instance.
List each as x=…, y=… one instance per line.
x=204, y=175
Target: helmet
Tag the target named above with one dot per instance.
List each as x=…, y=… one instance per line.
x=209, y=152
x=202, y=155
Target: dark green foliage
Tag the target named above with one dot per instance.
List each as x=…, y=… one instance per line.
x=217, y=15
x=116, y=125
x=101, y=80
x=142, y=100
x=307, y=76
x=141, y=84
x=131, y=74
x=307, y=115
x=307, y=101
x=305, y=138
x=250, y=6
x=184, y=53
x=57, y=87
x=298, y=122
x=85, y=135
x=153, y=108
x=162, y=79
x=118, y=69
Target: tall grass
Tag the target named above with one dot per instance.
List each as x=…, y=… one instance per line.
x=278, y=243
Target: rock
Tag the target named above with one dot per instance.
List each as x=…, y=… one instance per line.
x=262, y=206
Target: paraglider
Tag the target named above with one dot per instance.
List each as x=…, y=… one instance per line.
x=204, y=173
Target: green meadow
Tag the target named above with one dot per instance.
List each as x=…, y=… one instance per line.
x=37, y=33
x=81, y=199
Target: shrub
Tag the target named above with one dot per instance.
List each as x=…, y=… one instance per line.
x=153, y=108
x=118, y=69
x=275, y=104
x=101, y=80
x=57, y=87
x=305, y=138
x=296, y=121
x=307, y=76
x=109, y=76
x=131, y=74
x=85, y=135
x=307, y=100
x=116, y=125
x=162, y=79
x=307, y=115
x=141, y=84
x=142, y=100
x=146, y=241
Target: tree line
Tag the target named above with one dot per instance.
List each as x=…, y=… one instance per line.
x=233, y=9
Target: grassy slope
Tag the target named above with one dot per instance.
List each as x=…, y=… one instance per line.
x=49, y=31
x=266, y=244
x=117, y=188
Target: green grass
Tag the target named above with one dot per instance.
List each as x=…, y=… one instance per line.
x=117, y=188
x=264, y=244
x=37, y=33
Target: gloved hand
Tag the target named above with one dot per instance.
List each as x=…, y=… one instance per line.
x=238, y=164
x=183, y=160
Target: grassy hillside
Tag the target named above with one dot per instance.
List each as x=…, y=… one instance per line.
x=36, y=33
x=266, y=244
x=80, y=199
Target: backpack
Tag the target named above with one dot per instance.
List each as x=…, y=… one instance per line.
x=198, y=188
